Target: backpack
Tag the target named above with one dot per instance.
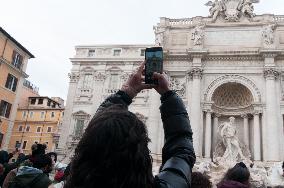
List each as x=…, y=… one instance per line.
x=16, y=184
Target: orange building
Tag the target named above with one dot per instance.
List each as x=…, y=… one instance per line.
x=13, y=63
x=38, y=122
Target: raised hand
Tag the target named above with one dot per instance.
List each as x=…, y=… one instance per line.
x=163, y=84
x=135, y=84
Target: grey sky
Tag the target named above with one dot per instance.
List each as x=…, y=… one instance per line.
x=51, y=28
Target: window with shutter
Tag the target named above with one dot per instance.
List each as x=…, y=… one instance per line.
x=38, y=129
x=5, y=109
x=17, y=60
x=2, y=108
x=7, y=114
x=49, y=129
x=11, y=82
x=20, y=128
x=15, y=84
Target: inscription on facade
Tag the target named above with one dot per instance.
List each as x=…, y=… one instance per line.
x=251, y=38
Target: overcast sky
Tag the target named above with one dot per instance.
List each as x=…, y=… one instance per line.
x=51, y=28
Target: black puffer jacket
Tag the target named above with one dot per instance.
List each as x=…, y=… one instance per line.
x=178, y=155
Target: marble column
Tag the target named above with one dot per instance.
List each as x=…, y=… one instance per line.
x=208, y=133
x=272, y=136
x=256, y=137
x=215, y=129
x=246, y=130
x=196, y=110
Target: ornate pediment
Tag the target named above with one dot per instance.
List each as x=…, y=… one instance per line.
x=231, y=10
x=81, y=115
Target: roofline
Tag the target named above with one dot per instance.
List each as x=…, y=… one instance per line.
x=16, y=42
x=44, y=97
x=42, y=109
x=113, y=45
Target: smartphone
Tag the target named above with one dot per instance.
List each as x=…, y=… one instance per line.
x=154, y=63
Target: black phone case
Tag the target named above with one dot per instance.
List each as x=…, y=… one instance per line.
x=149, y=80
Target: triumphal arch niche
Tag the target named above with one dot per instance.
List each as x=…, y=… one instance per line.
x=230, y=66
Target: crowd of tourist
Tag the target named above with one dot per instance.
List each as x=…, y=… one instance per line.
x=113, y=152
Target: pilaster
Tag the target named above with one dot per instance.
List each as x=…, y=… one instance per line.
x=272, y=135
x=196, y=74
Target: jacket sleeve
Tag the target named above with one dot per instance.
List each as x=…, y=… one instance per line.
x=178, y=155
x=119, y=98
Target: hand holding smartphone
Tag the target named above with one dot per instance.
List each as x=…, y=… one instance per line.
x=154, y=63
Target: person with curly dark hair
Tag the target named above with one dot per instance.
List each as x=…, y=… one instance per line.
x=113, y=151
x=237, y=177
x=199, y=180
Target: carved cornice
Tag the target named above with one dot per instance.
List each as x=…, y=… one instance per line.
x=178, y=57
x=197, y=53
x=233, y=58
x=208, y=111
x=271, y=73
x=195, y=73
x=257, y=112
x=81, y=115
x=207, y=107
x=270, y=53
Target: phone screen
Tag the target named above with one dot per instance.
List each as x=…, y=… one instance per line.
x=154, y=63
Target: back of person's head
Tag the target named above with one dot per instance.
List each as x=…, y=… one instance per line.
x=53, y=155
x=199, y=180
x=283, y=165
x=38, y=149
x=26, y=163
x=239, y=173
x=113, y=152
x=4, y=157
x=21, y=158
x=43, y=162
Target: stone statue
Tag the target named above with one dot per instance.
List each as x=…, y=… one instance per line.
x=231, y=9
x=233, y=151
x=198, y=35
x=246, y=7
x=178, y=86
x=268, y=34
x=275, y=175
x=159, y=33
x=203, y=167
x=259, y=176
x=230, y=140
x=217, y=7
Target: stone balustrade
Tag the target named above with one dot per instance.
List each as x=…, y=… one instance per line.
x=185, y=21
